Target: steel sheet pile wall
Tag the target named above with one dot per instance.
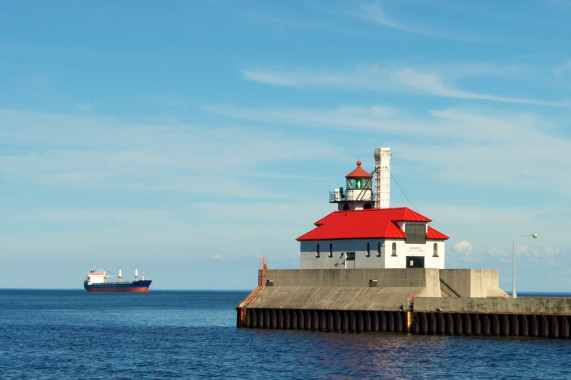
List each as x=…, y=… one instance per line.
x=546, y=326
x=400, y=300
x=325, y=320
x=547, y=317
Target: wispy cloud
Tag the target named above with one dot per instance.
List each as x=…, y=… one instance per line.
x=481, y=140
x=563, y=70
x=416, y=22
x=377, y=78
x=103, y=216
x=375, y=12
x=94, y=152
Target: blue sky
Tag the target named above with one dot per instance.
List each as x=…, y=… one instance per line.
x=188, y=139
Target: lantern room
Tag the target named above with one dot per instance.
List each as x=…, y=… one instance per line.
x=358, y=193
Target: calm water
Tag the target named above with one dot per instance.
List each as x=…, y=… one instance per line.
x=183, y=334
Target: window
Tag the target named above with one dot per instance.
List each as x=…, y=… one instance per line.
x=330, y=250
x=358, y=184
x=350, y=256
x=415, y=233
x=435, y=250
x=368, y=249
x=379, y=249
x=317, y=251
x=394, y=249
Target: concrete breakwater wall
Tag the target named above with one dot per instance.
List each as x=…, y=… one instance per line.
x=399, y=300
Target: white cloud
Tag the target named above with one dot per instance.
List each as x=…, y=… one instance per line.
x=375, y=12
x=104, y=216
x=435, y=82
x=563, y=70
x=95, y=152
x=532, y=253
x=539, y=253
x=459, y=145
x=344, y=118
x=183, y=157
x=465, y=249
x=497, y=253
x=500, y=256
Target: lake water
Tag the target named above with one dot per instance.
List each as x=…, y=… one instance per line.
x=72, y=334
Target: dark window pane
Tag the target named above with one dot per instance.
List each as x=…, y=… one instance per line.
x=415, y=233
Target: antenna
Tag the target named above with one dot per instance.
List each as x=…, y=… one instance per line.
x=383, y=177
x=407, y=198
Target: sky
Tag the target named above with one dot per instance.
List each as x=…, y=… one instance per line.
x=190, y=138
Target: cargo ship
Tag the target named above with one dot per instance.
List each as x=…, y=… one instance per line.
x=96, y=281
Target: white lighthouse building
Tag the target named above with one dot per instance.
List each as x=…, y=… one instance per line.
x=366, y=232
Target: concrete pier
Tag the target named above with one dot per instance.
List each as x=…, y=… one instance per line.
x=420, y=301
x=547, y=317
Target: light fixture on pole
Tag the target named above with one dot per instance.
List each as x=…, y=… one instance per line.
x=514, y=294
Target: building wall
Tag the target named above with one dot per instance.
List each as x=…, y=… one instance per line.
x=337, y=260
x=425, y=250
x=309, y=259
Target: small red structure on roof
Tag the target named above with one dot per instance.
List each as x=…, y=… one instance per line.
x=359, y=172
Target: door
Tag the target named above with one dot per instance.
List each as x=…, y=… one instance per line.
x=415, y=261
x=349, y=260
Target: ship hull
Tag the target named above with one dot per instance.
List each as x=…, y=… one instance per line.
x=123, y=287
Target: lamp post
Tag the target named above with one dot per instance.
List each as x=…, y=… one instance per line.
x=514, y=294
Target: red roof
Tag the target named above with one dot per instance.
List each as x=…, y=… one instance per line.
x=358, y=172
x=368, y=224
x=435, y=235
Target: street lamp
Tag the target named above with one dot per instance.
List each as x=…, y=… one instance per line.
x=514, y=294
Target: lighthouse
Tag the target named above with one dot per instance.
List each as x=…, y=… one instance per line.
x=366, y=232
x=371, y=267
x=358, y=193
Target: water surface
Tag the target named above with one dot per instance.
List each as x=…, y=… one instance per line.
x=192, y=334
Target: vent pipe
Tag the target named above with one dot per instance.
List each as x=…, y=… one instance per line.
x=383, y=177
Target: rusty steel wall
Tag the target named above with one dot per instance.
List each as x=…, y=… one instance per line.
x=468, y=324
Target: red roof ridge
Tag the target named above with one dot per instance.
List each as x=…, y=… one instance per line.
x=365, y=224
x=407, y=214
